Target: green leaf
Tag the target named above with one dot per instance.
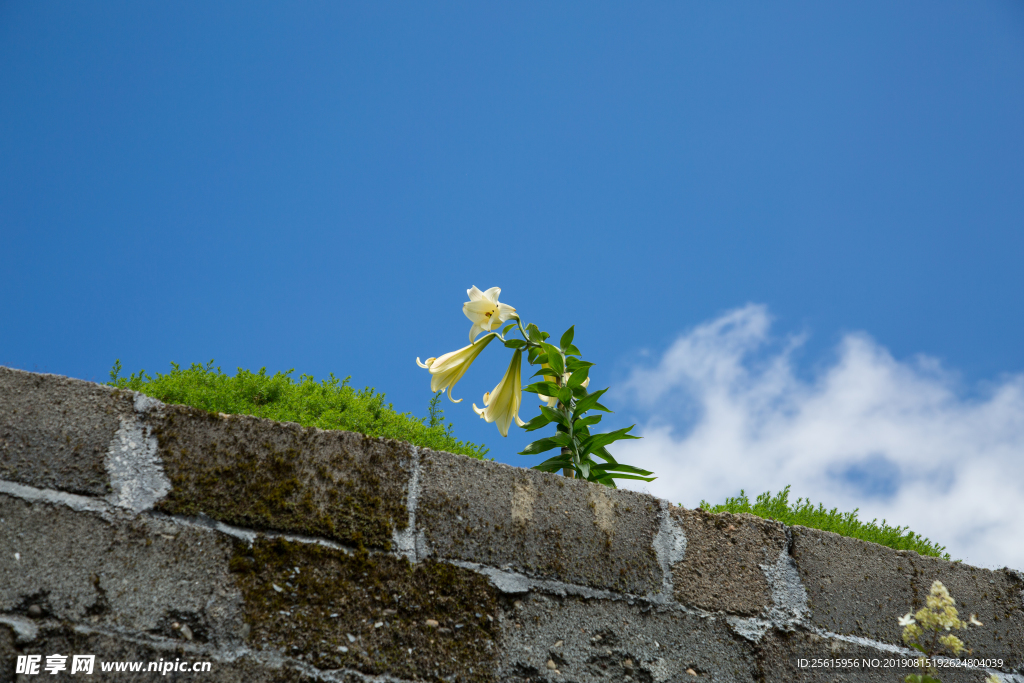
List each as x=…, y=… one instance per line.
x=589, y=402
x=536, y=423
x=566, y=338
x=540, y=446
x=543, y=372
x=572, y=351
x=543, y=388
x=562, y=439
x=533, y=355
x=536, y=336
x=598, y=440
x=508, y=327
x=574, y=364
x=620, y=467
x=514, y=343
x=554, y=358
x=565, y=395
x=554, y=464
x=554, y=416
x=632, y=476
x=544, y=335
x=584, y=468
x=602, y=452
x=578, y=377
x=587, y=421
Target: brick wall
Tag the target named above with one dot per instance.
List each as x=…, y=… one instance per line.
x=138, y=531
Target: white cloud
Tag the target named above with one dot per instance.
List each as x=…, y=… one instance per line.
x=725, y=410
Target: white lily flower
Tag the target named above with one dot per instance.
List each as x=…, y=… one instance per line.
x=502, y=404
x=907, y=620
x=449, y=368
x=485, y=312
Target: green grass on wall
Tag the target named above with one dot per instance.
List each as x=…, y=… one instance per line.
x=329, y=404
x=804, y=513
x=333, y=404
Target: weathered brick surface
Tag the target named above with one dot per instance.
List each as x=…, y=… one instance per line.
x=62, y=639
x=541, y=524
x=7, y=654
x=830, y=660
x=996, y=597
x=131, y=572
x=277, y=475
x=722, y=566
x=854, y=587
x=860, y=588
x=377, y=614
x=55, y=432
x=592, y=641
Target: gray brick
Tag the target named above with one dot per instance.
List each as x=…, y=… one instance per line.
x=368, y=613
x=277, y=475
x=860, y=588
x=55, y=432
x=108, y=648
x=996, y=597
x=721, y=569
x=839, y=662
x=131, y=572
x=854, y=587
x=537, y=523
x=590, y=641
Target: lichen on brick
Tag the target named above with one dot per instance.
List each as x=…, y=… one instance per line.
x=332, y=609
x=270, y=475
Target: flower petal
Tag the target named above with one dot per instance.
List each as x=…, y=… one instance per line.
x=492, y=294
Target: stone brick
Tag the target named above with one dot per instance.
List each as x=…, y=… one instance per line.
x=721, y=569
x=7, y=654
x=860, y=588
x=996, y=597
x=377, y=614
x=854, y=587
x=279, y=476
x=130, y=572
x=541, y=524
x=590, y=641
x=780, y=654
x=109, y=648
x=55, y=432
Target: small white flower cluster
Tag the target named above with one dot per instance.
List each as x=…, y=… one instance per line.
x=938, y=614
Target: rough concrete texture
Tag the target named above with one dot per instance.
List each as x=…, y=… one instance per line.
x=279, y=476
x=575, y=640
x=55, y=431
x=55, y=638
x=537, y=523
x=860, y=588
x=137, y=573
x=8, y=653
x=855, y=587
x=722, y=566
x=997, y=598
x=377, y=614
x=331, y=556
x=831, y=660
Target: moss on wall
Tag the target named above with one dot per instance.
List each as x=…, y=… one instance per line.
x=375, y=613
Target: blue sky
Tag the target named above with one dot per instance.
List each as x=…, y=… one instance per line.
x=827, y=193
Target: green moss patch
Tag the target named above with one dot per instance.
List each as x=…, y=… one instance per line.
x=270, y=475
x=373, y=613
x=328, y=404
x=803, y=513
